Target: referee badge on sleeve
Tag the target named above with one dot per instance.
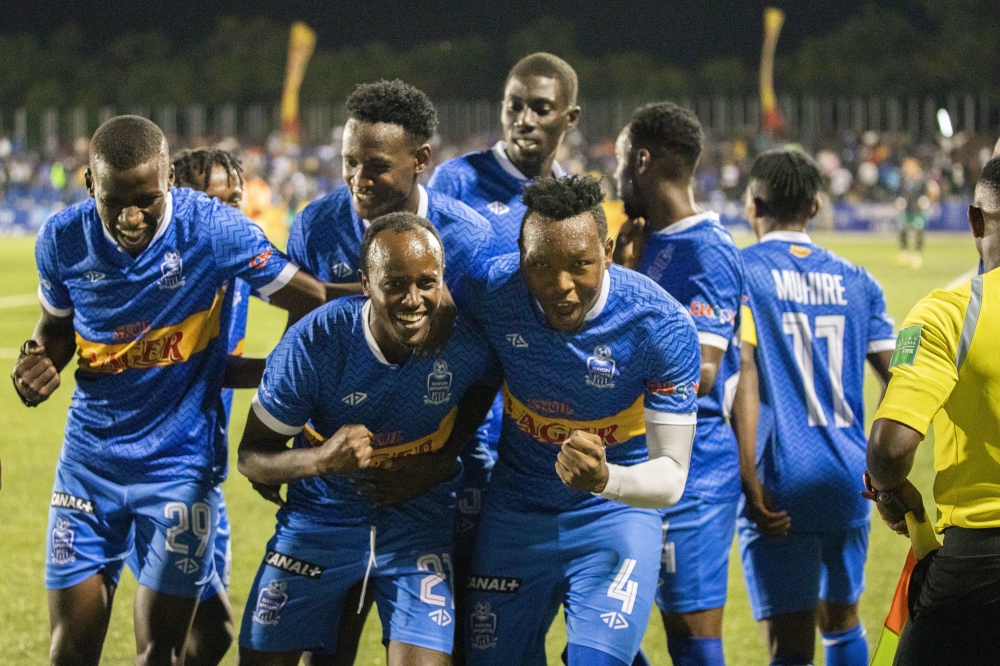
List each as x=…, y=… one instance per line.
x=907, y=344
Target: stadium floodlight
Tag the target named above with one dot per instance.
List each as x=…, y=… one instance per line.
x=944, y=123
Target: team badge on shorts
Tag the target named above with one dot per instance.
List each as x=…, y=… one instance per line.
x=438, y=384
x=601, y=368
x=172, y=270
x=62, y=543
x=270, y=602
x=484, y=627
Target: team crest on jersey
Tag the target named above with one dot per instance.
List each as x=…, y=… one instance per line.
x=172, y=270
x=62, y=543
x=484, y=627
x=601, y=368
x=498, y=208
x=341, y=270
x=438, y=384
x=270, y=602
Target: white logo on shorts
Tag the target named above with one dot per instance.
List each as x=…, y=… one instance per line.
x=188, y=565
x=484, y=627
x=614, y=620
x=62, y=543
x=441, y=617
x=270, y=602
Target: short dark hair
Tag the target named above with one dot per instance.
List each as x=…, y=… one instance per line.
x=549, y=66
x=783, y=184
x=562, y=198
x=394, y=102
x=669, y=131
x=125, y=142
x=193, y=168
x=397, y=223
x=991, y=175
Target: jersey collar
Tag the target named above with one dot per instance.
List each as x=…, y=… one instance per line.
x=787, y=237
x=168, y=215
x=500, y=153
x=366, y=311
x=421, y=207
x=686, y=223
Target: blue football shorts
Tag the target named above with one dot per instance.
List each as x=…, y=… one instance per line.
x=791, y=573
x=694, y=570
x=95, y=522
x=600, y=562
x=298, y=595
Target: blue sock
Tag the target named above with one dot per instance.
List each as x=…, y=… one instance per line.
x=641, y=659
x=846, y=648
x=691, y=651
x=581, y=655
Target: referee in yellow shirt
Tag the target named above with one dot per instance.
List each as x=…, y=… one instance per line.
x=946, y=368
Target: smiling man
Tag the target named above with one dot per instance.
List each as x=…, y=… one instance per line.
x=348, y=370
x=136, y=277
x=539, y=107
x=600, y=371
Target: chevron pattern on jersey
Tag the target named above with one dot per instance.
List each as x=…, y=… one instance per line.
x=325, y=358
x=702, y=268
x=643, y=336
x=812, y=454
x=155, y=423
x=326, y=237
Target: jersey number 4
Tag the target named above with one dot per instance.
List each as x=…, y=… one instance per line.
x=830, y=327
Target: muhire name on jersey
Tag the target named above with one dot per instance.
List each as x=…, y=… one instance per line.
x=494, y=584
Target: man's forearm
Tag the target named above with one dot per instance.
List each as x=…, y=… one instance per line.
x=275, y=468
x=58, y=337
x=891, y=450
x=341, y=289
x=746, y=404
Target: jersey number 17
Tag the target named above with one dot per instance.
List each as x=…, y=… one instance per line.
x=831, y=328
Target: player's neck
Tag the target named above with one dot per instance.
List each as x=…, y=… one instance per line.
x=671, y=203
x=394, y=353
x=533, y=170
x=412, y=204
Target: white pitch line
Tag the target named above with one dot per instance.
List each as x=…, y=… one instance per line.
x=961, y=279
x=20, y=301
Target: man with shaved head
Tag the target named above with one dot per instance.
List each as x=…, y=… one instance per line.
x=135, y=280
x=944, y=371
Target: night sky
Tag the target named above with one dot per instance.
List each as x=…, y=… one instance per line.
x=681, y=32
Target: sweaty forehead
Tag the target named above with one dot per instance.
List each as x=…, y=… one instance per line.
x=574, y=235
x=375, y=137
x=534, y=86
x=987, y=197
x=396, y=250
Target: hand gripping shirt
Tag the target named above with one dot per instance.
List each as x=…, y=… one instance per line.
x=488, y=181
x=813, y=317
x=697, y=262
x=152, y=332
x=325, y=238
x=328, y=372
x=636, y=357
x=945, y=368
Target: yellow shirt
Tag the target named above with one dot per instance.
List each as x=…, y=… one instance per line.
x=946, y=368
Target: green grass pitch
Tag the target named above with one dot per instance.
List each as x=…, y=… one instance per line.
x=30, y=440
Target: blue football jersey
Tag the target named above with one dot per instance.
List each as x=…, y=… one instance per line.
x=697, y=262
x=152, y=332
x=815, y=318
x=489, y=182
x=635, y=357
x=325, y=238
x=329, y=372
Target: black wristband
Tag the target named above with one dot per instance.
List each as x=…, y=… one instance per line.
x=13, y=375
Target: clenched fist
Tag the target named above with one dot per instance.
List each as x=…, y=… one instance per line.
x=349, y=450
x=35, y=375
x=581, y=463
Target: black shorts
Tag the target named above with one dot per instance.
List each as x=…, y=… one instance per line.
x=955, y=603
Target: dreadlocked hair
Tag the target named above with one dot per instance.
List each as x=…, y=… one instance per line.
x=562, y=198
x=784, y=184
x=193, y=168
